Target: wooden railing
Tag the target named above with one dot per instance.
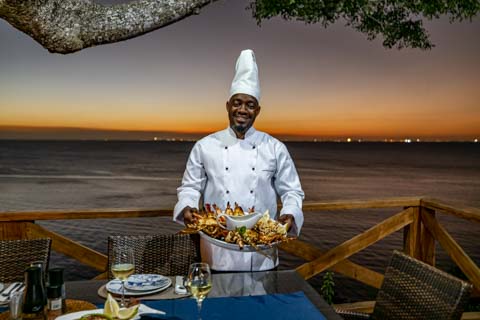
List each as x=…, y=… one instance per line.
x=417, y=219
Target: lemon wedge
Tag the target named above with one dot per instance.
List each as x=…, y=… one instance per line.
x=128, y=313
x=111, y=307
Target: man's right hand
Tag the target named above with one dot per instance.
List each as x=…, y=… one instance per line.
x=188, y=217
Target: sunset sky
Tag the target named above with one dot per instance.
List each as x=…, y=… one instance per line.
x=316, y=82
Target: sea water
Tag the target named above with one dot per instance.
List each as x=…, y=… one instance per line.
x=56, y=175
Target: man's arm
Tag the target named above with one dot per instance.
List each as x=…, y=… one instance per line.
x=288, y=187
x=193, y=184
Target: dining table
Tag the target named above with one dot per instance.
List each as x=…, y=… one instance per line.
x=239, y=295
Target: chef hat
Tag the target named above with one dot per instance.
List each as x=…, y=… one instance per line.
x=246, y=75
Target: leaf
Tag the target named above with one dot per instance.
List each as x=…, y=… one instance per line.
x=242, y=230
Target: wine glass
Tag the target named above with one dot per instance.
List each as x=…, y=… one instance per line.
x=123, y=266
x=199, y=283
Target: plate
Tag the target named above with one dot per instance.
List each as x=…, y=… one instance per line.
x=1, y=286
x=143, y=309
x=115, y=287
x=146, y=282
x=79, y=314
x=233, y=246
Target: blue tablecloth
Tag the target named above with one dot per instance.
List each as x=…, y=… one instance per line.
x=289, y=306
x=273, y=306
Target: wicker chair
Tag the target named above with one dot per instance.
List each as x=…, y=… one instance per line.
x=16, y=256
x=163, y=254
x=415, y=290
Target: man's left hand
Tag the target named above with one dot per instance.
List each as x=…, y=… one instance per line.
x=287, y=219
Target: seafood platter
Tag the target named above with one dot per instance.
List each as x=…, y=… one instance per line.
x=238, y=230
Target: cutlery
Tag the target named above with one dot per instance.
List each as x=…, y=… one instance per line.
x=6, y=293
x=19, y=288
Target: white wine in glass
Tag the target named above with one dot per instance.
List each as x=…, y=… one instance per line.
x=123, y=270
x=199, y=282
x=123, y=266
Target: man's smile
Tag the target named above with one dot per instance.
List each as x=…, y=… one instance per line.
x=241, y=119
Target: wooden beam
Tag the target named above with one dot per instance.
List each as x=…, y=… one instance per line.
x=469, y=268
x=411, y=235
x=85, y=214
x=362, y=204
x=70, y=248
x=427, y=238
x=469, y=213
x=470, y=316
x=356, y=244
x=361, y=306
x=347, y=268
x=102, y=276
x=13, y=230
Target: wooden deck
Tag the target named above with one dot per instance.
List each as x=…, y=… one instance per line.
x=417, y=219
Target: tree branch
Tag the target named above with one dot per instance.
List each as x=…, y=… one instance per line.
x=66, y=26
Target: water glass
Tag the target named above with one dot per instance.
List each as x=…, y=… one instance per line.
x=15, y=305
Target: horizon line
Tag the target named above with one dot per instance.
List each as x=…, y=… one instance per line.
x=313, y=140
x=48, y=133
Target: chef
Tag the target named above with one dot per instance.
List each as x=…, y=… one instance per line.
x=243, y=165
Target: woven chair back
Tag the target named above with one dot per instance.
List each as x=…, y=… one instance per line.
x=163, y=254
x=16, y=256
x=415, y=290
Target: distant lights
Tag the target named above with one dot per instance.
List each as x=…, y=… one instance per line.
x=155, y=138
x=475, y=140
x=407, y=140
x=349, y=140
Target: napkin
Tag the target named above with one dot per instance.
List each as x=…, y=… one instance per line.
x=179, y=285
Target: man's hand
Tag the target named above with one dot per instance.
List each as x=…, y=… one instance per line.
x=287, y=219
x=188, y=217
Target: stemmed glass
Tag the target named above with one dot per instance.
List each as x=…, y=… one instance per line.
x=123, y=266
x=199, y=282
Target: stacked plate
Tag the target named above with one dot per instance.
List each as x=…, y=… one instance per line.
x=140, y=284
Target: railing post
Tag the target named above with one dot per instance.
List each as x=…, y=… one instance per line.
x=427, y=239
x=13, y=230
x=412, y=244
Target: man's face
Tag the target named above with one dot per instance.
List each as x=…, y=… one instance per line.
x=242, y=110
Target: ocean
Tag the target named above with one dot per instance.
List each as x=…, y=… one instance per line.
x=44, y=175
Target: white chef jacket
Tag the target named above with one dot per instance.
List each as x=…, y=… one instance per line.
x=251, y=172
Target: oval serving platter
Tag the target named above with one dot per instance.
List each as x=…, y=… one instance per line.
x=233, y=246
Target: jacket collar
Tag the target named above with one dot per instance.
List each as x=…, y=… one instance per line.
x=230, y=138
